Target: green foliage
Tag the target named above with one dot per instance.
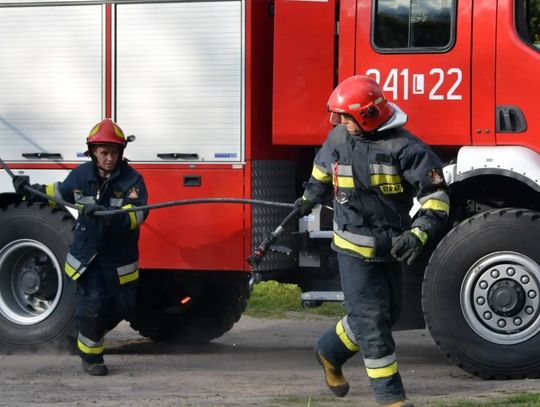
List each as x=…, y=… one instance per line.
x=533, y=15
x=270, y=299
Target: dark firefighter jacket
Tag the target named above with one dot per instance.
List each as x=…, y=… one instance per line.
x=375, y=177
x=111, y=240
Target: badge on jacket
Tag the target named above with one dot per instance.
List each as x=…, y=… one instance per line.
x=133, y=193
x=436, y=176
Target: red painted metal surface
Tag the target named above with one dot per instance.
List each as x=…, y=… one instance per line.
x=518, y=65
x=108, y=61
x=483, y=72
x=303, y=70
x=194, y=237
x=347, y=38
x=438, y=114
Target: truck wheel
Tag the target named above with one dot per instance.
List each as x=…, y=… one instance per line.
x=481, y=294
x=212, y=311
x=37, y=303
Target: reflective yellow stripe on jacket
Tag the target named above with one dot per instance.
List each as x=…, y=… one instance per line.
x=128, y=273
x=437, y=201
x=320, y=175
x=135, y=218
x=363, y=245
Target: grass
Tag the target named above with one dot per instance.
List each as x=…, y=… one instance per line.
x=270, y=299
x=518, y=400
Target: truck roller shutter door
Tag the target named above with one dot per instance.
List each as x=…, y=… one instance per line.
x=180, y=80
x=50, y=80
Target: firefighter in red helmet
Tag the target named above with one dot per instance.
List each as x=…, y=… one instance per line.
x=103, y=258
x=375, y=168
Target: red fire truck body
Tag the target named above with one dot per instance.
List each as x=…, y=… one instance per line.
x=227, y=99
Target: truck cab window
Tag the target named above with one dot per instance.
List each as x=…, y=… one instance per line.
x=401, y=25
x=528, y=21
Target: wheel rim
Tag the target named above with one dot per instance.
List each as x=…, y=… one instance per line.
x=30, y=282
x=500, y=297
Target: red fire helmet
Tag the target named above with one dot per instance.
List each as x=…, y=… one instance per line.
x=106, y=132
x=362, y=98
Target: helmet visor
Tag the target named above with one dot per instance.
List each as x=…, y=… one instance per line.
x=335, y=118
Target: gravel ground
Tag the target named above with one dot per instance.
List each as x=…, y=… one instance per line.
x=258, y=363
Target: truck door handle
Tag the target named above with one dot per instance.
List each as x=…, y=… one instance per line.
x=192, y=180
x=178, y=156
x=510, y=119
x=43, y=155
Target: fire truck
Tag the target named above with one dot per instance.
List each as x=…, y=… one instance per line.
x=227, y=98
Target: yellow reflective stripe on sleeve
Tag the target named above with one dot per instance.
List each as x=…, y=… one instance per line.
x=133, y=221
x=71, y=272
x=319, y=175
x=90, y=350
x=378, y=179
x=133, y=224
x=128, y=278
x=340, y=331
x=436, y=205
x=367, y=252
x=381, y=372
x=344, y=182
x=50, y=190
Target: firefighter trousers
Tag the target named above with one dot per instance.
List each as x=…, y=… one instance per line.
x=373, y=300
x=99, y=311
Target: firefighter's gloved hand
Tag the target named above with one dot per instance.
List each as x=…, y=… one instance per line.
x=90, y=209
x=409, y=245
x=305, y=206
x=19, y=182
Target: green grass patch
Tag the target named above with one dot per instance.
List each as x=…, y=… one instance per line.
x=270, y=299
x=518, y=400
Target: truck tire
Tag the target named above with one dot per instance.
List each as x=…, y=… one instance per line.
x=211, y=312
x=37, y=302
x=481, y=294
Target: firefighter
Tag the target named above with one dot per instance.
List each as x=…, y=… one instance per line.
x=375, y=168
x=103, y=258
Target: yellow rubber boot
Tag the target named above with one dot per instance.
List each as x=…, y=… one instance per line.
x=334, y=376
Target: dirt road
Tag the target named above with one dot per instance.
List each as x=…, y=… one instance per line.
x=258, y=363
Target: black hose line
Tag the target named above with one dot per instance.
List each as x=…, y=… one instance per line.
x=152, y=206
x=195, y=201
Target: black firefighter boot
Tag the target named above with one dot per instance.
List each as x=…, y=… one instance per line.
x=95, y=369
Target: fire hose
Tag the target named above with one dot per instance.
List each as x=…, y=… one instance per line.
x=255, y=258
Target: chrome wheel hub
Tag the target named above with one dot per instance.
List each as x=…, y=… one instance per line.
x=500, y=297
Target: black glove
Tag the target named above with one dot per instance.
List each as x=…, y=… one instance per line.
x=408, y=246
x=89, y=209
x=19, y=182
x=305, y=206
